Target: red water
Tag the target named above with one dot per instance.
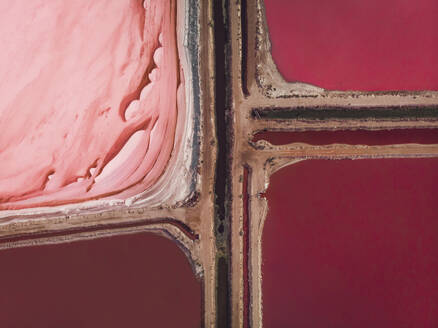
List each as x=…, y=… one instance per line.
x=112, y=282
x=356, y=45
x=357, y=137
x=352, y=244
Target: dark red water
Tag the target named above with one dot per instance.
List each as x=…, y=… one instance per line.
x=356, y=45
x=141, y=280
x=357, y=137
x=352, y=244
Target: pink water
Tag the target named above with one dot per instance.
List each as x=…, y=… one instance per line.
x=112, y=282
x=356, y=45
x=89, y=93
x=352, y=244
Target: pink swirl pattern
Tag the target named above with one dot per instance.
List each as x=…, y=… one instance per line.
x=89, y=95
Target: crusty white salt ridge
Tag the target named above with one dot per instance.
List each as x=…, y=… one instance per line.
x=89, y=96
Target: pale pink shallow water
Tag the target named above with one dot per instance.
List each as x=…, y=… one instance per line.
x=89, y=94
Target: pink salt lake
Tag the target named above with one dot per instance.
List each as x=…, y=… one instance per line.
x=89, y=94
